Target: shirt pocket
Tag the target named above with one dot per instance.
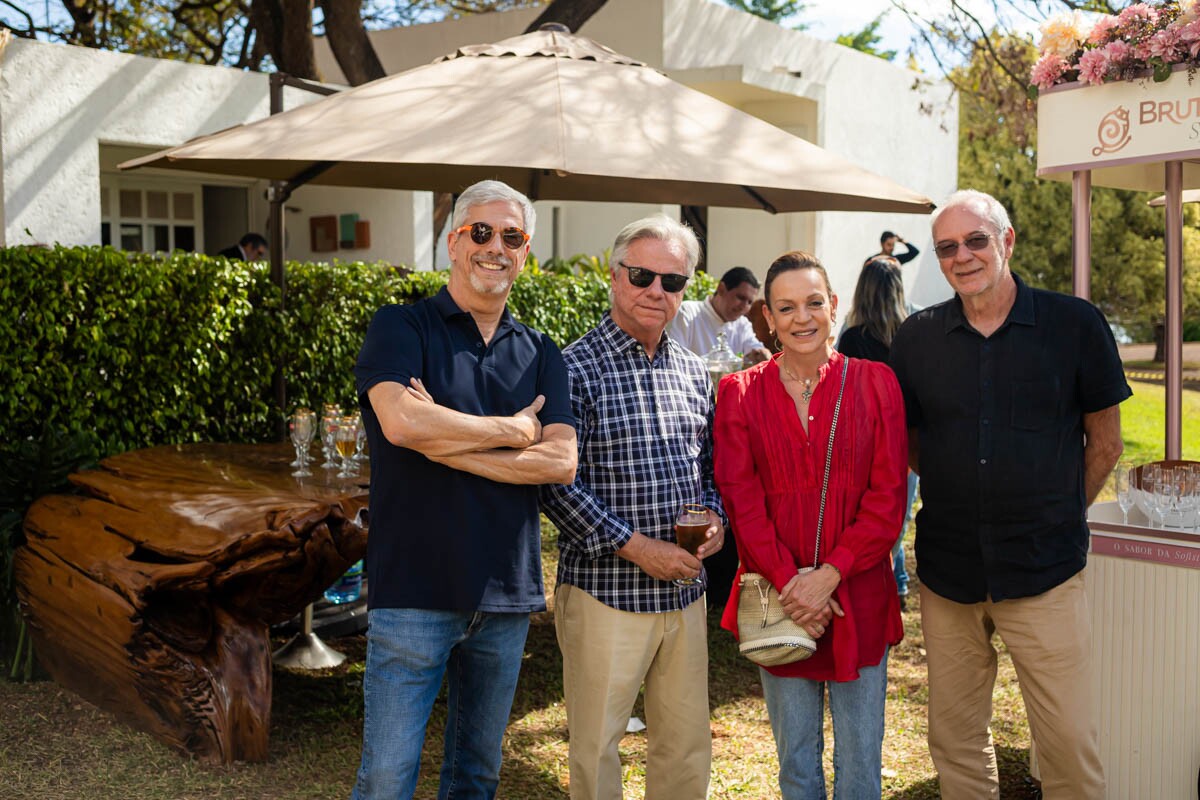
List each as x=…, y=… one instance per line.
x=1035, y=404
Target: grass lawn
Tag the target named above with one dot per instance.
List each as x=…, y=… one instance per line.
x=1143, y=423
x=57, y=747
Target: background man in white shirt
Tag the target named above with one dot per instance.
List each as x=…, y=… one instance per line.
x=699, y=321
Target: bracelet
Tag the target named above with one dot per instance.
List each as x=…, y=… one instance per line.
x=835, y=569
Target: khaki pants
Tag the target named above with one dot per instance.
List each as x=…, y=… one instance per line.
x=1049, y=638
x=607, y=656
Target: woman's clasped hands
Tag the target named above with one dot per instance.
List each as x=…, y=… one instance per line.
x=808, y=599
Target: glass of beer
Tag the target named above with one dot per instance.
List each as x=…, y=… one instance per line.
x=346, y=441
x=691, y=525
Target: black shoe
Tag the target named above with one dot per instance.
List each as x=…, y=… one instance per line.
x=904, y=602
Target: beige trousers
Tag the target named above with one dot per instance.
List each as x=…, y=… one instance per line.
x=607, y=656
x=1049, y=638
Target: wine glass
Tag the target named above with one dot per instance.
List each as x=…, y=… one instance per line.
x=1124, y=491
x=329, y=420
x=346, y=440
x=360, y=446
x=1162, y=500
x=301, y=426
x=691, y=525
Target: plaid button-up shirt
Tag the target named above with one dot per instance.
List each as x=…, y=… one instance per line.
x=645, y=448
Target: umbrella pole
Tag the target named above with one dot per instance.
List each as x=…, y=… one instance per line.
x=277, y=195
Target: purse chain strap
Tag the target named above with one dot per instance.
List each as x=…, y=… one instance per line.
x=829, y=459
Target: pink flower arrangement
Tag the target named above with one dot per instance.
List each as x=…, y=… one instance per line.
x=1143, y=38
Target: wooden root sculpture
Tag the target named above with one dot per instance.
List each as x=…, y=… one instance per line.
x=151, y=594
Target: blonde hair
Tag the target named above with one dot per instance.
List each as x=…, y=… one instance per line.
x=879, y=305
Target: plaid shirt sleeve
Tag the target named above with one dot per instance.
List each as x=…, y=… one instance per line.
x=583, y=520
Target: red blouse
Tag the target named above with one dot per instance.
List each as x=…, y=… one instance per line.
x=769, y=472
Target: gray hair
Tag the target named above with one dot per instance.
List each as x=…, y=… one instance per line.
x=982, y=204
x=662, y=228
x=484, y=192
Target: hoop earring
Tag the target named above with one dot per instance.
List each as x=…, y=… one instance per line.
x=778, y=344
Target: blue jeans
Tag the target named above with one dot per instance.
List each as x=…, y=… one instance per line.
x=796, y=707
x=898, y=548
x=408, y=652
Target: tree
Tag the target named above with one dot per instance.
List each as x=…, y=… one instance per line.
x=259, y=34
x=988, y=59
x=773, y=10
x=867, y=40
x=998, y=155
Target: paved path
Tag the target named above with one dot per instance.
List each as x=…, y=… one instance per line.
x=1145, y=352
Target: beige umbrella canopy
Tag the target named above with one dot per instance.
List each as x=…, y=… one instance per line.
x=1188, y=196
x=555, y=115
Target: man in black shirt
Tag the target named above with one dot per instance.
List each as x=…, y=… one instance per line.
x=1012, y=398
x=887, y=247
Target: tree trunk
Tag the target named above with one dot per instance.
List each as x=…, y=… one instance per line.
x=349, y=41
x=285, y=29
x=572, y=13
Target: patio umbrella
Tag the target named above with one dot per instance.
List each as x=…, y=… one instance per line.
x=554, y=115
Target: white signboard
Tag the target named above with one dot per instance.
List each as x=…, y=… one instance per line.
x=1121, y=131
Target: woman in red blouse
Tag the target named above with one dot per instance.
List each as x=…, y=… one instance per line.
x=771, y=436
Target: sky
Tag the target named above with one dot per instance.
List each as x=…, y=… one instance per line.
x=826, y=19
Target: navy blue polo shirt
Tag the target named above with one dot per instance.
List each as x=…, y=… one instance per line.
x=441, y=538
x=1000, y=427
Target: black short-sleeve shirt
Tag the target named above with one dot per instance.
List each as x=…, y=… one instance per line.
x=441, y=538
x=999, y=421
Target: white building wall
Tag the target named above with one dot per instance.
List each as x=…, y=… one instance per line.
x=868, y=111
x=59, y=105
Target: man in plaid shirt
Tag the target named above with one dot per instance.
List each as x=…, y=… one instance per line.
x=643, y=409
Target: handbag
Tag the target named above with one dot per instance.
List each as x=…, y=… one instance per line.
x=767, y=635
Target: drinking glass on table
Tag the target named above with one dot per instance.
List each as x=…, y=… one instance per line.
x=691, y=525
x=360, y=447
x=1162, y=498
x=346, y=440
x=329, y=421
x=301, y=426
x=1124, y=476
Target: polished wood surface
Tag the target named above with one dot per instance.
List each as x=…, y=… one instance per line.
x=150, y=593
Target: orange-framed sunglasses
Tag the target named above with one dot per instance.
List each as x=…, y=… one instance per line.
x=482, y=233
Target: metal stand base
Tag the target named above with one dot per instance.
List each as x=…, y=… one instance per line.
x=305, y=650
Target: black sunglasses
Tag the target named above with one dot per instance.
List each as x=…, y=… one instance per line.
x=482, y=233
x=641, y=278
x=974, y=242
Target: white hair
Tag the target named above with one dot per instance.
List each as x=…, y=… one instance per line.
x=981, y=203
x=662, y=228
x=484, y=192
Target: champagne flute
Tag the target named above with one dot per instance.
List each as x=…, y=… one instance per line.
x=329, y=421
x=691, y=525
x=1162, y=500
x=300, y=429
x=346, y=440
x=360, y=446
x=1124, y=491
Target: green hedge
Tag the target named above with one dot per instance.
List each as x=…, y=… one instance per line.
x=103, y=351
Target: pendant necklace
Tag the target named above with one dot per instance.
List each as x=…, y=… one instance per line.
x=805, y=394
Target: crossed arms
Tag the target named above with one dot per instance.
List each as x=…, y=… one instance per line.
x=512, y=449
